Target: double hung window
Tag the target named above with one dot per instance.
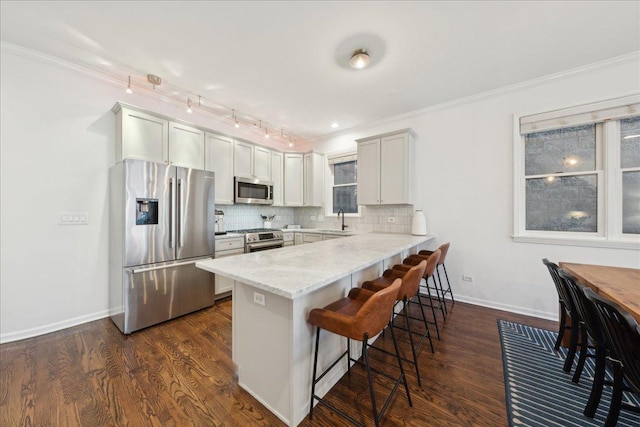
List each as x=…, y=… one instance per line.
x=577, y=175
x=344, y=187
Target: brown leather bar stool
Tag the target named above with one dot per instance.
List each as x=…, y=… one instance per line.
x=444, y=249
x=410, y=284
x=359, y=316
x=432, y=261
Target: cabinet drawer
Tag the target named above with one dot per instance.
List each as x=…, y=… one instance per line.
x=228, y=244
x=311, y=237
x=221, y=254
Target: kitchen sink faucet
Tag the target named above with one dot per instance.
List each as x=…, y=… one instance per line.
x=343, y=226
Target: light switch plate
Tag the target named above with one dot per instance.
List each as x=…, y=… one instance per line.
x=73, y=218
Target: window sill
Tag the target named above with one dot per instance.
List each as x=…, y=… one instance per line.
x=588, y=242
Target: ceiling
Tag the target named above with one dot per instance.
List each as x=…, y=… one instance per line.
x=286, y=62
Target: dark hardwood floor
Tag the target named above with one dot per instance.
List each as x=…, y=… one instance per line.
x=180, y=373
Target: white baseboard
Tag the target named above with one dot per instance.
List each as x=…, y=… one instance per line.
x=510, y=308
x=52, y=327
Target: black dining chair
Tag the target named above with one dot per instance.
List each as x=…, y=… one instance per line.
x=567, y=310
x=591, y=337
x=622, y=335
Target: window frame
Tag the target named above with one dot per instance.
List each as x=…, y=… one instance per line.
x=330, y=182
x=609, y=186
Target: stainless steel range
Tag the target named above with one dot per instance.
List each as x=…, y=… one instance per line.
x=261, y=239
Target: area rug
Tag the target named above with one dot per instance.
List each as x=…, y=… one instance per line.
x=539, y=392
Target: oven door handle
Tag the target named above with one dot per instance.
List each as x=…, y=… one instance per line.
x=258, y=245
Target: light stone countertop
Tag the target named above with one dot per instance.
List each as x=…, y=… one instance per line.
x=294, y=271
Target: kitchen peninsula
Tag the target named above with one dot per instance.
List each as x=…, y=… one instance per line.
x=273, y=293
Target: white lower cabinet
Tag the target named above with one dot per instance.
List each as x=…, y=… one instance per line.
x=311, y=237
x=288, y=238
x=227, y=247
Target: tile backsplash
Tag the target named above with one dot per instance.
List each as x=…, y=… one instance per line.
x=372, y=219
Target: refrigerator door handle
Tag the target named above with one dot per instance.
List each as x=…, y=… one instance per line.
x=171, y=213
x=160, y=267
x=179, y=224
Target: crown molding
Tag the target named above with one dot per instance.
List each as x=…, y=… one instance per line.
x=607, y=63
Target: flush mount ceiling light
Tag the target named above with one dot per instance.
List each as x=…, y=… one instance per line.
x=154, y=80
x=359, y=59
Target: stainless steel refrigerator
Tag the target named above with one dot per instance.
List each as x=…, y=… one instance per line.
x=162, y=220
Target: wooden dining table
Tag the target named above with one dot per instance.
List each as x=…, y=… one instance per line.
x=619, y=284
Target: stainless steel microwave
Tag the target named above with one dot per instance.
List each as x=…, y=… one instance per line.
x=253, y=191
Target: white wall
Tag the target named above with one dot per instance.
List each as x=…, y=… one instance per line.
x=465, y=185
x=57, y=144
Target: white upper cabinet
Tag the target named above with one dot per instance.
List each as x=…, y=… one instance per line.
x=141, y=136
x=144, y=136
x=385, y=169
x=219, y=159
x=186, y=146
x=252, y=161
x=243, y=159
x=293, y=179
x=277, y=175
x=262, y=163
x=313, y=179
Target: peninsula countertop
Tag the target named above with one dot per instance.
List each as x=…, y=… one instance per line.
x=294, y=271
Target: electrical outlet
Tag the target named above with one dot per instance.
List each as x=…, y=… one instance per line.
x=320, y=218
x=391, y=219
x=278, y=218
x=312, y=218
x=467, y=278
x=259, y=298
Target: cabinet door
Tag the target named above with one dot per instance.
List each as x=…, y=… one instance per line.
x=293, y=179
x=312, y=237
x=222, y=283
x=277, y=173
x=394, y=167
x=369, y=172
x=243, y=159
x=186, y=146
x=219, y=159
x=262, y=163
x=313, y=179
x=142, y=136
x=299, y=238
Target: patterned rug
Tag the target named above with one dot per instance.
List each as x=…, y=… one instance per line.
x=539, y=392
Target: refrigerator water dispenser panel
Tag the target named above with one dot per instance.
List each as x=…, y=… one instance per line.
x=146, y=211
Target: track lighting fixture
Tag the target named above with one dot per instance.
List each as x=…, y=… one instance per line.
x=173, y=94
x=154, y=80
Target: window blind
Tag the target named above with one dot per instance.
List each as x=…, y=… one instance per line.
x=342, y=158
x=598, y=112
